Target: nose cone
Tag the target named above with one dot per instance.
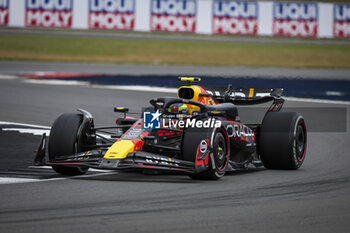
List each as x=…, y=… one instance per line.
x=120, y=149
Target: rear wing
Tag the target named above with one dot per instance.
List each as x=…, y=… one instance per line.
x=243, y=96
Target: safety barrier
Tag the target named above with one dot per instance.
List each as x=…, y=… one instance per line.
x=292, y=19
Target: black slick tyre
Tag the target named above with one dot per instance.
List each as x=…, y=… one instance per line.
x=283, y=140
x=219, y=156
x=63, y=141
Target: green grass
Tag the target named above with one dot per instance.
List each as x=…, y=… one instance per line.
x=100, y=50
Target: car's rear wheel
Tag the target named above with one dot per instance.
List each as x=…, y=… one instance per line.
x=64, y=141
x=283, y=140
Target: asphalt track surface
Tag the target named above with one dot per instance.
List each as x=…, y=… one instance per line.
x=314, y=198
x=29, y=67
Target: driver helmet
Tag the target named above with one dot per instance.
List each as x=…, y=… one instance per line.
x=179, y=109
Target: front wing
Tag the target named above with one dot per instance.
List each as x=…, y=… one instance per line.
x=139, y=160
x=134, y=161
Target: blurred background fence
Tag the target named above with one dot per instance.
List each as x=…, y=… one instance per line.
x=282, y=18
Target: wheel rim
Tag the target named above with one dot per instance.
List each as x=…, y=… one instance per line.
x=220, y=152
x=300, y=142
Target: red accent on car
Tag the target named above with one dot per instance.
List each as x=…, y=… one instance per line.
x=199, y=154
x=164, y=132
x=142, y=165
x=305, y=133
x=198, y=161
x=138, y=144
x=206, y=161
x=206, y=100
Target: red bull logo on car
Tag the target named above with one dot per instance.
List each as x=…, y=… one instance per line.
x=173, y=15
x=234, y=17
x=4, y=12
x=112, y=14
x=49, y=13
x=295, y=19
x=341, y=23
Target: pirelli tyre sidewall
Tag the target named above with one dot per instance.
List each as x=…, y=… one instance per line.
x=64, y=141
x=218, y=146
x=283, y=140
x=220, y=153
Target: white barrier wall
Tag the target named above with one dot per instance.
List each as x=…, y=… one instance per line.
x=309, y=19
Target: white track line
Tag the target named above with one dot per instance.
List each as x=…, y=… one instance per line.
x=23, y=124
x=161, y=89
x=37, y=132
x=8, y=77
x=13, y=180
x=57, y=82
x=90, y=169
x=44, y=129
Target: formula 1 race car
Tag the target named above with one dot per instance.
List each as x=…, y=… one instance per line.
x=199, y=133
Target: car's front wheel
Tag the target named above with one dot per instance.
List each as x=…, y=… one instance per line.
x=219, y=151
x=64, y=141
